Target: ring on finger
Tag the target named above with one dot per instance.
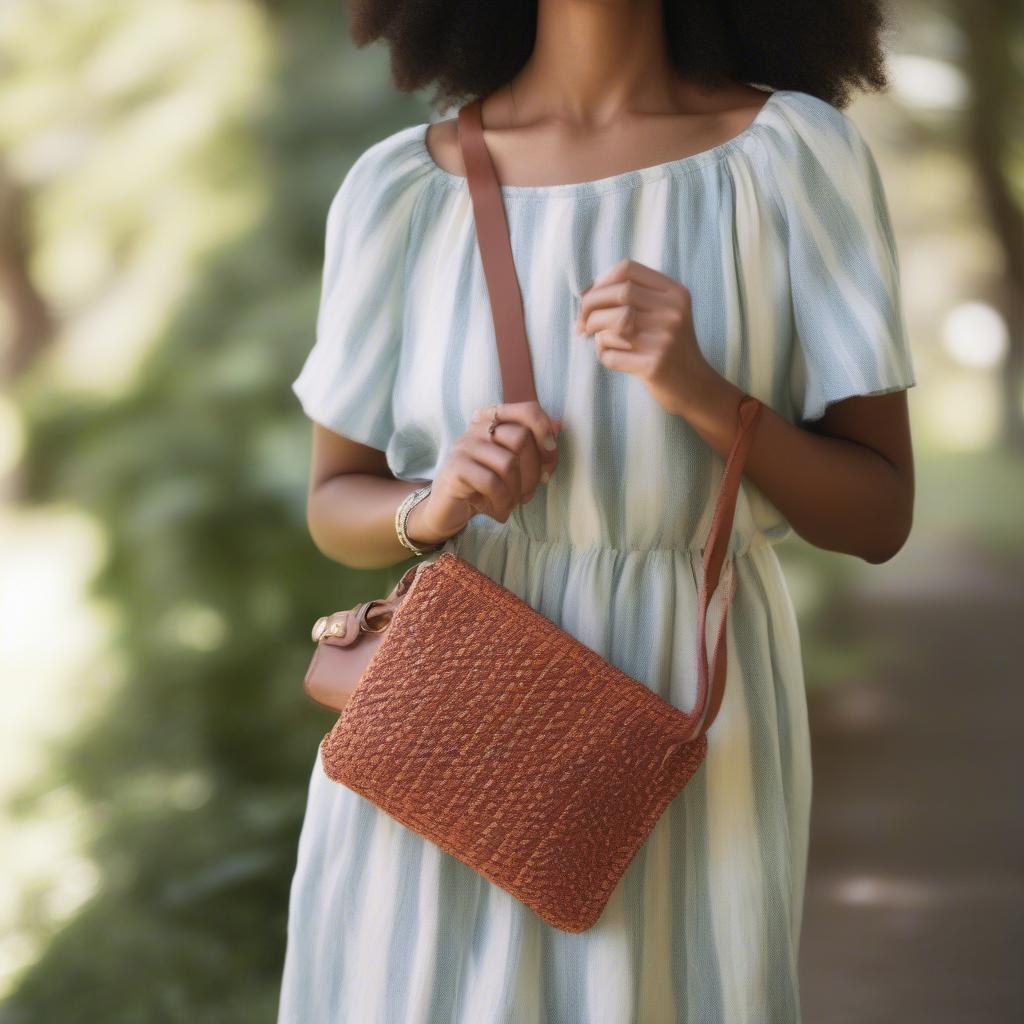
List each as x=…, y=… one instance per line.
x=494, y=422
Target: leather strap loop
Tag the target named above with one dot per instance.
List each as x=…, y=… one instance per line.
x=518, y=386
x=711, y=684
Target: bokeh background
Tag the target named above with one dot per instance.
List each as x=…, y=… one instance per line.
x=165, y=171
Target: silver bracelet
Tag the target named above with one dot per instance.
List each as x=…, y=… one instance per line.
x=402, y=515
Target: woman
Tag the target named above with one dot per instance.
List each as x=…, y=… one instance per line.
x=681, y=239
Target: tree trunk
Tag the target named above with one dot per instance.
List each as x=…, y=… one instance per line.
x=996, y=97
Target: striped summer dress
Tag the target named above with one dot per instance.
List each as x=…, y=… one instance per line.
x=782, y=234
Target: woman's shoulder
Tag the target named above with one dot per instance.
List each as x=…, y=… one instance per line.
x=386, y=175
x=812, y=160
x=801, y=126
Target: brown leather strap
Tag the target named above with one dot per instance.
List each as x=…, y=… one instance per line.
x=518, y=386
x=496, y=256
x=715, y=552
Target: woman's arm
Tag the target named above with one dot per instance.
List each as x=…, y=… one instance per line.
x=350, y=507
x=353, y=496
x=845, y=484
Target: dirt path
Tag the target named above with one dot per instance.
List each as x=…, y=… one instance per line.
x=915, y=897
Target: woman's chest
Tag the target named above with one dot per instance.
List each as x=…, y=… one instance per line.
x=449, y=362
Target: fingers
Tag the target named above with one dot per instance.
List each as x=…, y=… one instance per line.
x=485, y=489
x=538, y=462
x=510, y=461
x=624, y=305
x=633, y=270
x=530, y=414
x=505, y=488
x=629, y=321
x=520, y=442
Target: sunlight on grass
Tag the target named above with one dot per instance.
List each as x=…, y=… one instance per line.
x=56, y=663
x=49, y=632
x=37, y=899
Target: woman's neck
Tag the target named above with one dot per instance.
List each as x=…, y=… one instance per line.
x=595, y=65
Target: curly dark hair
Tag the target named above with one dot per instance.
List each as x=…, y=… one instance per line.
x=468, y=48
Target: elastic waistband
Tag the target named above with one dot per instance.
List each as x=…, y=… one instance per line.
x=739, y=544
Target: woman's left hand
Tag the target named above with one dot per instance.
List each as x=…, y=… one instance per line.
x=642, y=324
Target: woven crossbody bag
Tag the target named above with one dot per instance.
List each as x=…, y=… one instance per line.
x=480, y=724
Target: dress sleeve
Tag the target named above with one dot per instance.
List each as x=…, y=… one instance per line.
x=348, y=378
x=850, y=331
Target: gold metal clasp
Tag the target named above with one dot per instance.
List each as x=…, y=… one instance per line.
x=320, y=628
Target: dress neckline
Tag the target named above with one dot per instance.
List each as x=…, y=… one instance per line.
x=612, y=182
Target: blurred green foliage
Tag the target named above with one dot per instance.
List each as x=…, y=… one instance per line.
x=196, y=768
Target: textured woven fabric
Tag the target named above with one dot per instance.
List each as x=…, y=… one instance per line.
x=541, y=764
x=783, y=237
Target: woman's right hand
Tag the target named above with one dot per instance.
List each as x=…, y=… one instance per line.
x=489, y=473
